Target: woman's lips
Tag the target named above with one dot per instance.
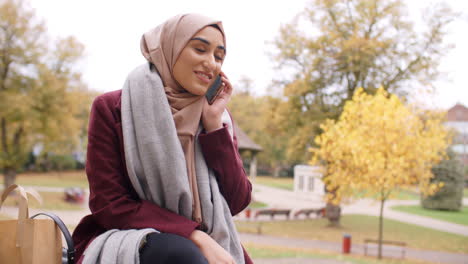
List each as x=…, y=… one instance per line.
x=204, y=77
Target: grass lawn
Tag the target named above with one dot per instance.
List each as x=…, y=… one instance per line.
x=282, y=183
x=255, y=204
x=53, y=179
x=71, y=228
x=259, y=251
x=406, y=195
x=399, y=195
x=460, y=217
x=50, y=201
x=288, y=184
x=361, y=227
x=4, y=217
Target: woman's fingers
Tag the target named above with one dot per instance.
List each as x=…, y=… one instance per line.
x=227, y=84
x=212, y=251
x=212, y=114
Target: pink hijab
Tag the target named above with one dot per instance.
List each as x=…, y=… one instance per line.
x=162, y=46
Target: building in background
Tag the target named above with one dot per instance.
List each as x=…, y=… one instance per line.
x=457, y=119
x=245, y=144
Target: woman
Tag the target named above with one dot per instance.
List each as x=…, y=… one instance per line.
x=163, y=168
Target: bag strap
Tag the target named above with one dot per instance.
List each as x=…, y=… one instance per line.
x=23, y=212
x=66, y=234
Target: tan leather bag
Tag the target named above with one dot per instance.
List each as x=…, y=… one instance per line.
x=28, y=241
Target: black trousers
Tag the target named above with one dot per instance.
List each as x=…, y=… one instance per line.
x=163, y=248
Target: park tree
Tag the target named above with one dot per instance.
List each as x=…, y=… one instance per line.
x=334, y=47
x=377, y=146
x=256, y=115
x=40, y=91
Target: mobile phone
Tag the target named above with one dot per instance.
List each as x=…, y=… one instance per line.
x=214, y=90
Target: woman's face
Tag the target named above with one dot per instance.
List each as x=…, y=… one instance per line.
x=200, y=61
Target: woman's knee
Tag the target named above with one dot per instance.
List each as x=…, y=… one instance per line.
x=170, y=248
x=185, y=251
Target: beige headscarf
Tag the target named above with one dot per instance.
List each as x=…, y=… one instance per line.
x=162, y=46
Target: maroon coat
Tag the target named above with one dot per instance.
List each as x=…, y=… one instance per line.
x=114, y=202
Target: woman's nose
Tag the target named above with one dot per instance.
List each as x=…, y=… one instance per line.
x=210, y=63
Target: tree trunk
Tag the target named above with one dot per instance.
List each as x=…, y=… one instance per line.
x=381, y=228
x=333, y=213
x=276, y=171
x=9, y=177
x=253, y=167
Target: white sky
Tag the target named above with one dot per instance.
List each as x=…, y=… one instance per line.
x=111, y=32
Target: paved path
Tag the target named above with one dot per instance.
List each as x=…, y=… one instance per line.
x=43, y=188
x=70, y=218
x=287, y=199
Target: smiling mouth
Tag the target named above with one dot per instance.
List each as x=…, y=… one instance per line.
x=205, y=77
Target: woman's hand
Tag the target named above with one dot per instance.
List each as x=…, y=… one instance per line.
x=211, y=115
x=212, y=251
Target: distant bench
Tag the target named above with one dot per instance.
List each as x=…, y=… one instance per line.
x=399, y=244
x=273, y=212
x=308, y=211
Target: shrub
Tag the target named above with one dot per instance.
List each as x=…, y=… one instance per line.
x=62, y=162
x=450, y=196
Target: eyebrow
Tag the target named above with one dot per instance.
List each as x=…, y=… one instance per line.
x=208, y=43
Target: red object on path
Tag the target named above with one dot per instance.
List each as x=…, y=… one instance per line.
x=346, y=243
x=247, y=212
x=74, y=195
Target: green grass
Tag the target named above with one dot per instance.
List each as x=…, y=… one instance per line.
x=255, y=204
x=71, y=228
x=405, y=195
x=396, y=195
x=51, y=201
x=4, y=217
x=460, y=217
x=258, y=251
x=53, y=179
x=282, y=183
x=266, y=251
x=360, y=227
x=288, y=184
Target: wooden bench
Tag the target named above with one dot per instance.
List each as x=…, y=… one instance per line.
x=273, y=212
x=308, y=211
x=399, y=244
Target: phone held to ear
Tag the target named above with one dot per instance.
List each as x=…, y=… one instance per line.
x=214, y=90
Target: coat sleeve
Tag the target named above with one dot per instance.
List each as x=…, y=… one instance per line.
x=222, y=156
x=113, y=200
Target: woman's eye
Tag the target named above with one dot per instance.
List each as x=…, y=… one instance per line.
x=200, y=50
x=218, y=58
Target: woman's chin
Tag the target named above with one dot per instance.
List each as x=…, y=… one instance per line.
x=197, y=90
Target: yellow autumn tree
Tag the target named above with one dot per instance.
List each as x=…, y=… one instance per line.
x=377, y=146
x=43, y=98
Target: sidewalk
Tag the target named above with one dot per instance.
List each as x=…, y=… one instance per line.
x=287, y=199
x=71, y=218
x=43, y=188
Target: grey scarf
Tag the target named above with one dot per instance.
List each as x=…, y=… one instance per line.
x=156, y=163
